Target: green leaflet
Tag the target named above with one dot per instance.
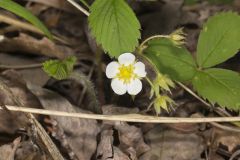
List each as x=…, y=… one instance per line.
x=219, y=40
x=24, y=13
x=115, y=26
x=59, y=69
x=172, y=60
x=219, y=86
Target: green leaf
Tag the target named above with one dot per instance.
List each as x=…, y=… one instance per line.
x=24, y=13
x=219, y=40
x=175, y=61
x=59, y=69
x=219, y=86
x=115, y=26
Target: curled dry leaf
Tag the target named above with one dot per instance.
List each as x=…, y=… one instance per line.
x=105, y=147
x=27, y=44
x=80, y=133
x=130, y=136
x=107, y=151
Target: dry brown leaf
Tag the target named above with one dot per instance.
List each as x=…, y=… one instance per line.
x=229, y=139
x=27, y=151
x=113, y=109
x=30, y=45
x=34, y=75
x=59, y=4
x=172, y=145
x=7, y=151
x=79, y=90
x=14, y=91
x=105, y=147
x=36, y=8
x=130, y=137
x=80, y=133
x=118, y=155
x=12, y=121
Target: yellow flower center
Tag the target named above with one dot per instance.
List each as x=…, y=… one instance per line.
x=126, y=73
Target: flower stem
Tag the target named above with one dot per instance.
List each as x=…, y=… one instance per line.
x=142, y=45
x=149, y=81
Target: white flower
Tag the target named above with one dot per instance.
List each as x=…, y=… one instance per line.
x=126, y=74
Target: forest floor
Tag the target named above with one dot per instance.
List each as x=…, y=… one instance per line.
x=24, y=83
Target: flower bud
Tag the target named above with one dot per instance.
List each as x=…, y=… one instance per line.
x=178, y=37
x=162, y=102
x=164, y=82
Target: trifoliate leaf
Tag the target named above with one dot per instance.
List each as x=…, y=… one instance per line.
x=115, y=26
x=174, y=61
x=59, y=69
x=219, y=86
x=24, y=13
x=219, y=39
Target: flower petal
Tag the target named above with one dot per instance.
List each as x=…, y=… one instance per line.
x=126, y=58
x=112, y=69
x=139, y=69
x=134, y=87
x=118, y=86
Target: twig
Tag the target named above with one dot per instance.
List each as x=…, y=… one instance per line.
x=15, y=22
x=125, y=117
x=234, y=155
x=31, y=66
x=142, y=45
x=79, y=7
x=194, y=94
x=40, y=132
x=217, y=110
x=226, y=128
x=85, y=87
x=99, y=74
x=26, y=26
x=26, y=66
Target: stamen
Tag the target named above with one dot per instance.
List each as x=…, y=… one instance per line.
x=126, y=73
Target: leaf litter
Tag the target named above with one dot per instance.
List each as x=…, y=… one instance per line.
x=80, y=139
